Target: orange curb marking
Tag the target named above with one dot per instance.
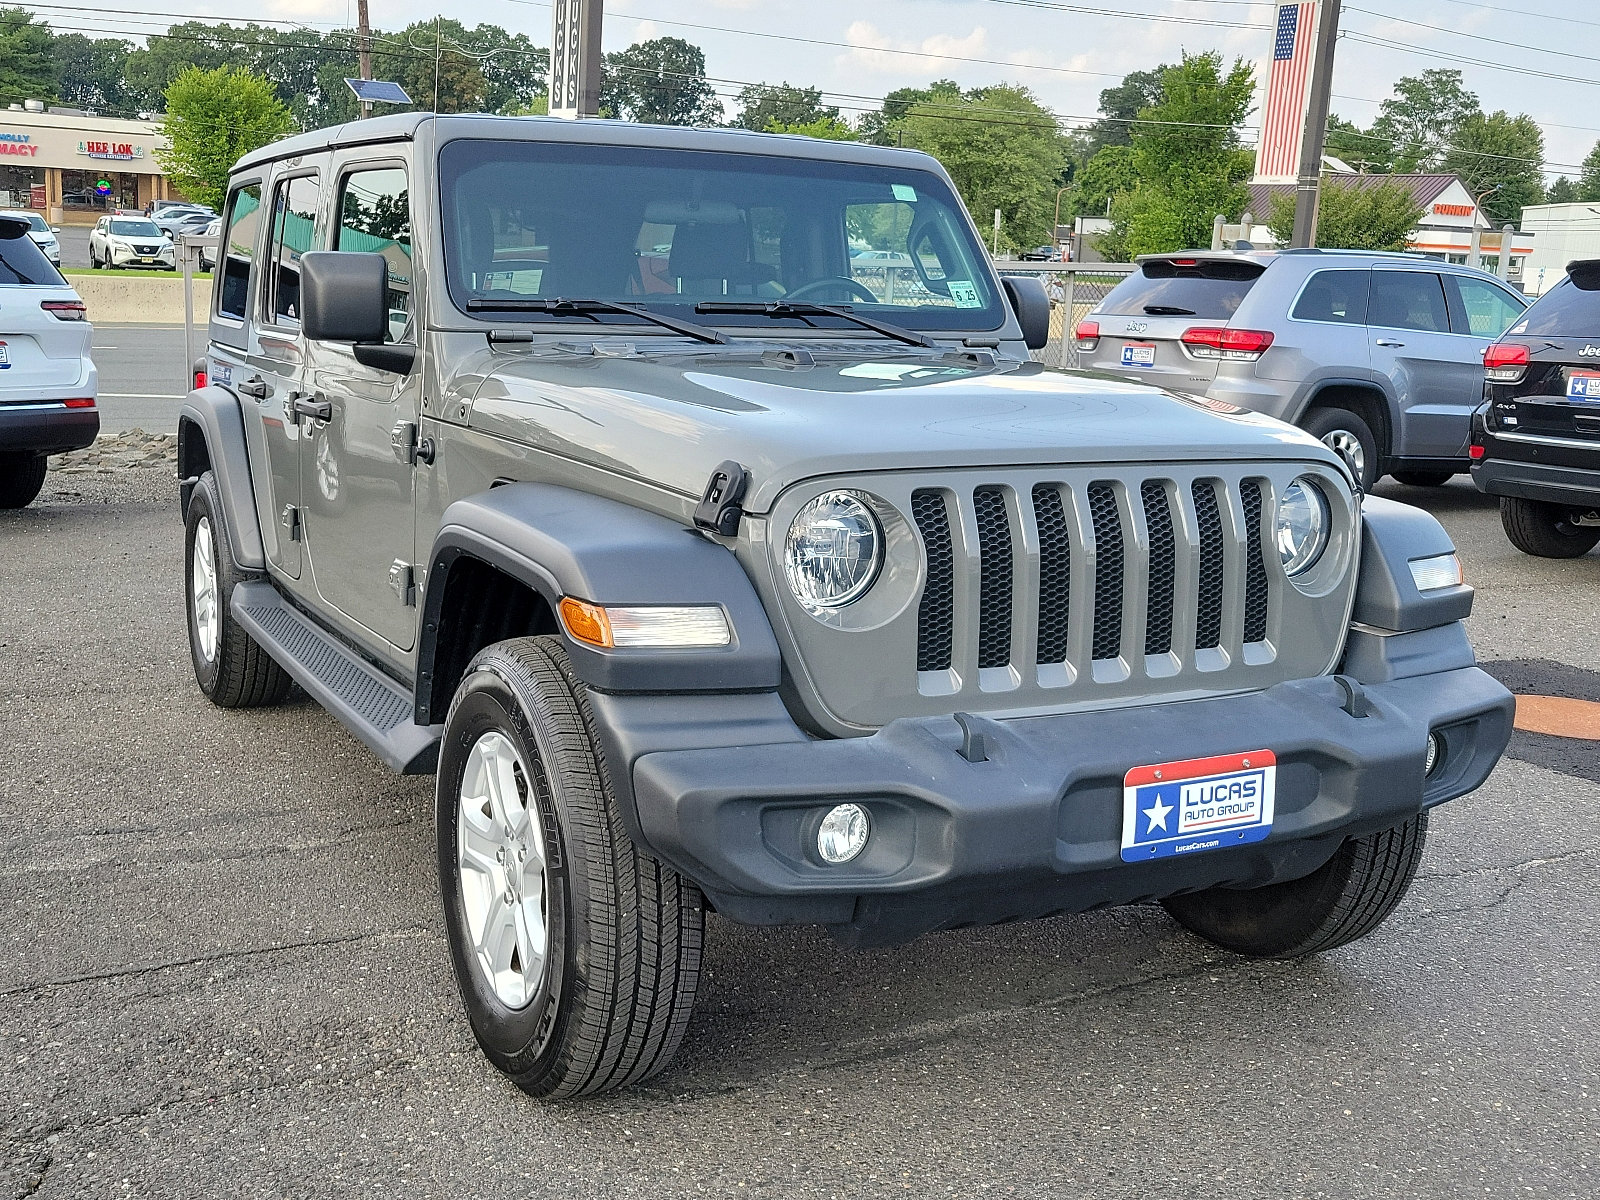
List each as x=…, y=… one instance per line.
x=1559, y=716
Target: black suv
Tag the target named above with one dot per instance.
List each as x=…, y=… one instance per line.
x=1536, y=437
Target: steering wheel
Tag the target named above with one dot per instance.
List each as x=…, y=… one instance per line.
x=857, y=290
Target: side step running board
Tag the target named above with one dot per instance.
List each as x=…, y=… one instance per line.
x=370, y=705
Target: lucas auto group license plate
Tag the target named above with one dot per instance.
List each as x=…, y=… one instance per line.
x=5, y=357
x=1197, y=804
x=1139, y=354
x=1584, y=385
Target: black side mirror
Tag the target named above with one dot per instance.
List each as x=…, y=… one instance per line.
x=344, y=297
x=1031, y=303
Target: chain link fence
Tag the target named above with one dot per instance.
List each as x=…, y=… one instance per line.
x=1074, y=289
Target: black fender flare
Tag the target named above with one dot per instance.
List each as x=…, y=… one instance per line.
x=562, y=542
x=211, y=416
x=1393, y=536
x=1391, y=406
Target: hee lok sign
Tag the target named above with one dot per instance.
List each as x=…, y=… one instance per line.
x=126, y=151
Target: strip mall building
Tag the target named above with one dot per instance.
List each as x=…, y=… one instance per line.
x=73, y=167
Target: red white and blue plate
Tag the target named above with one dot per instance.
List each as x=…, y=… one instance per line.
x=1197, y=804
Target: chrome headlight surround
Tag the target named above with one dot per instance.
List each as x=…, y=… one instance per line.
x=833, y=551
x=1302, y=522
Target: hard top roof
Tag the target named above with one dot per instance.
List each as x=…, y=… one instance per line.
x=405, y=126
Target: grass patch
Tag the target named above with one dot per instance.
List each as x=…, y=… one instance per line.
x=131, y=274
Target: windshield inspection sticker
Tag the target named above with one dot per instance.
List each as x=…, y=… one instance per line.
x=964, y=294
x=1180, y=808
x=904, y=191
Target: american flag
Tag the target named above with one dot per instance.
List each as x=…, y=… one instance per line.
x=1283, y=118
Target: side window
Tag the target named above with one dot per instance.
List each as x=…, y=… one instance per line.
x=237, y=248
x=1490, y=310
x=1408, y=300
x=1338, y=296
x=294, y=218
x=375, y=218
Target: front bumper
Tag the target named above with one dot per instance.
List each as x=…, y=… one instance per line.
x=1036, y=829
x=47, y=426
x=162, y=259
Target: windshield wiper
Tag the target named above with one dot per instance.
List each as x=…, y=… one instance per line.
x=804, y=308
x=558, y=304
x=1167, y=310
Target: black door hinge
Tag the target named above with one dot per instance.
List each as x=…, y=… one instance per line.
x=719, y=509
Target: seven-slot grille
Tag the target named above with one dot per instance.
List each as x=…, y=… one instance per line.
x=1153, y=568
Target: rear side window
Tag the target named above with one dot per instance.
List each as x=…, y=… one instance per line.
x=294, y=218
x=1566, y=310
x=1208, y=288
x=1489, y=310
x=22, y=263
x=1337, y=296
x=236, y=250
x=1408, y=300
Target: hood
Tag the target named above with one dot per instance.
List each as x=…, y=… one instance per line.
x=790, y=414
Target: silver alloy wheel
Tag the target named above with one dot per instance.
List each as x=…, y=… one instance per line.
x=1348, y=447
x=203, y=590
x=501, y=868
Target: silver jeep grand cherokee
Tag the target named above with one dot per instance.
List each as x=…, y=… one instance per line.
x=1379, y=355
x=712, y=566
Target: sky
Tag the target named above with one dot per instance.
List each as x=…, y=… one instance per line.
x=1535, y=58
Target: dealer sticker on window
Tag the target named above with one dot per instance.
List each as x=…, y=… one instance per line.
x=964, y=294
x=1197, y=804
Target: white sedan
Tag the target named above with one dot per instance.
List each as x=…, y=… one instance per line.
x=130, y=242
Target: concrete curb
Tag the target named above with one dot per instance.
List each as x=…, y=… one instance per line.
x=113, y=298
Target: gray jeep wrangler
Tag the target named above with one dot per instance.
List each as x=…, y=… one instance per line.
x=687, y=502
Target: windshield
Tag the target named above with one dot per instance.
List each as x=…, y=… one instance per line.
x=136, y=229
x=1566, y=310
x=34, y=220
x=669, y=229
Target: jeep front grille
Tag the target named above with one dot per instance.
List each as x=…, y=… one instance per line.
x=1161, y=570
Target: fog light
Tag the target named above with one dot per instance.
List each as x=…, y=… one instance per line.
x=1431, y=759
x=843, y=833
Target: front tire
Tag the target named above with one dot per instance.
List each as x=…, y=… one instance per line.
x=1351, y=438
x=1545, y=530
x=231, y=669
x=1346, y=898
x=577, y=955
x=21, y=477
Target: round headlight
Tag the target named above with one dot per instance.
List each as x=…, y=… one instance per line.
x=1302, y=525
x=833, y=551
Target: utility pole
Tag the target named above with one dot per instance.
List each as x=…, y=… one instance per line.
x=364, y=49
x=438, y=53
x=1309, y=181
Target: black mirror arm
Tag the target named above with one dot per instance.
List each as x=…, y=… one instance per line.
x=401, y=358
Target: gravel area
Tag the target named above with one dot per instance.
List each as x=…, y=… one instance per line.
x=131, y=466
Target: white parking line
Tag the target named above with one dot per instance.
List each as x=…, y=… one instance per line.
x=138, y=396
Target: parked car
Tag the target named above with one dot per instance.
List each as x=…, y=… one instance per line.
x=43, y=234
x=772, y=597
x=213, y=229
x=47, y=380
x=176, y=220
x=130, y=242
x=1378, y=355
x=1041, y=254
x=1536, y=439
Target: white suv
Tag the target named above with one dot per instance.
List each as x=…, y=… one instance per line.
x=43, y=235
x=47, y=381
x=130, y=242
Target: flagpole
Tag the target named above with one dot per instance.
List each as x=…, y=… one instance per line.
x=1316, y=135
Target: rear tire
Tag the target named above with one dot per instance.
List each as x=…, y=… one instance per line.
x=1346, y=898
x=1349, y=436
x=1428, y=479
x=1545, y=530
x=577, y=954
x=21, y=477
x=231, y=669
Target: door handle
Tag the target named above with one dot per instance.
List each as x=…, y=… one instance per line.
x=1389, y=342
x=257, y=387
x=317, y=410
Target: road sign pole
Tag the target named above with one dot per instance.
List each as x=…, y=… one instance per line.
x=1316, y=138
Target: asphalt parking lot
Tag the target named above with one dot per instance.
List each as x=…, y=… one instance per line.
x=222, y=970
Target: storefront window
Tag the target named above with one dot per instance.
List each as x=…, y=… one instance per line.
x=17, y=186
x=98, y=191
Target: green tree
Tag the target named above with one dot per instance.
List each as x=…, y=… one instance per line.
x=27, y=66
x=1003, y=148
x=1354, y=217
x=882, y=128
x=660, y=82
x=1189, y=158
x=1109, y=174
x=437, y=70
x=1562, y=191
x=1419, y=121
x=1500, y=152
x=152, y=70
x=1120, y=107
x=214, y=117
x=515, y=71
x=1363, y=150
x=830, y=129
x=90, y=71
x=1589, y=177
x=760, y=104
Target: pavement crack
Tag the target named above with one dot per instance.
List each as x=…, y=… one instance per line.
x=219, y=956
x=1537, y=860
x=1521, y=871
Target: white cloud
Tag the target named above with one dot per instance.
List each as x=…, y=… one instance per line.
x=873, y=51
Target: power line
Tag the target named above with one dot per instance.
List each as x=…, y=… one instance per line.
x=1477, y=37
